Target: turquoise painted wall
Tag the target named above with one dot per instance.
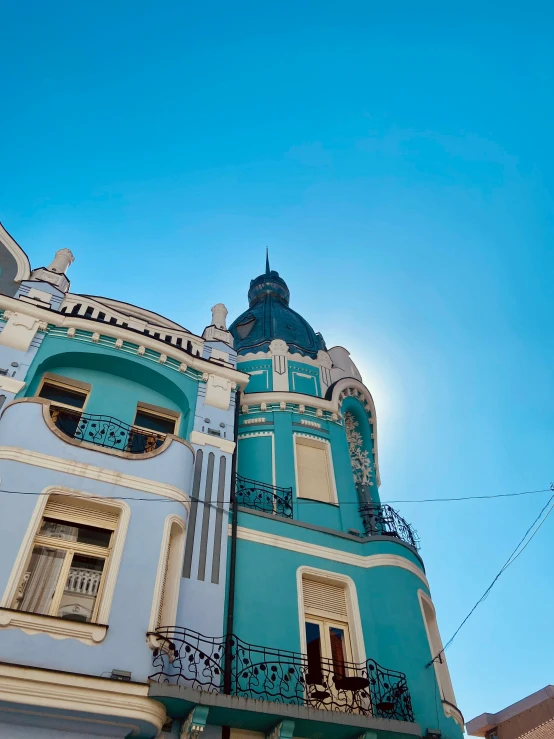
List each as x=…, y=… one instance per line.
x=255, y=462
x=254, y=458
x=119, y=381
x=262, y=379
x=392, y=624
x=304, y=378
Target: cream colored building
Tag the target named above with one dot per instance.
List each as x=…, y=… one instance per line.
x=530, y=718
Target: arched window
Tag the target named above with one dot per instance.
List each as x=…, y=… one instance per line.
x=166, y=592
x=435, y=645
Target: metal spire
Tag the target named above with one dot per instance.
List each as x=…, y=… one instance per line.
x=267, y=260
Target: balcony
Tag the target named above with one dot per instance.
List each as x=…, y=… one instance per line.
x=382, y=520
x=230, y=665
x=105, y=431
x=263, y=497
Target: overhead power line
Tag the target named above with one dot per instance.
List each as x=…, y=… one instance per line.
x=162, y=498
x=520, y=548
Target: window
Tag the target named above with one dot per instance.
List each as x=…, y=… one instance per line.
x=69, y=559
x=151, y=418
x=314, y=473
x=164, y=607
x=101, y=316
x=68, y=398
x=89, y=311
x=435, y=644
x=63, y=392
x=150, y=428
x=328, y=642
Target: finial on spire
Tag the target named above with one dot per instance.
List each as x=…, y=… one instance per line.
x=267, y=260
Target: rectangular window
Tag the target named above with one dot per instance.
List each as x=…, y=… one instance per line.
x=153, y=420
x=150, y=427
x=328, y=646
x=313, y=470
x=62, y=395
x=64, y=574
x=68, y=398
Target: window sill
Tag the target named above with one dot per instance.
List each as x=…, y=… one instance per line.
x=315, y=500
x=58, y=628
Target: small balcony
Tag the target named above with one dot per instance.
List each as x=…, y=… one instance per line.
x=230, y=665
x=264, y=497
x=105, y=431
x=382, y=520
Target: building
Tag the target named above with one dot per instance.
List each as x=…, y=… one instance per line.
x=532, y=718
x=193, y=543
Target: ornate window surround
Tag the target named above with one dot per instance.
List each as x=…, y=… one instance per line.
x=170, y=592
x=32, y=623
x=354, y=620
x=331, y=471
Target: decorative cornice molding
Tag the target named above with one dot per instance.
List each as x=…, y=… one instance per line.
x=80, y=694
x=335, y=555
x=197, y=437
x=73, y=323
x=276, y=401
x=90, y=472
x=58, y=628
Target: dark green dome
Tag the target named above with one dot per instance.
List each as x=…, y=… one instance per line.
x=269, y=317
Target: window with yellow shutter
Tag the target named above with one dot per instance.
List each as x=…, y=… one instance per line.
x=314, y=475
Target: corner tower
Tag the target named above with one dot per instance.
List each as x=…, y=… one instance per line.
x=323, y=574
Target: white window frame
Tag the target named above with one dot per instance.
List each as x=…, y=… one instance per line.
x=330, y=469
x=442, y=672
x=88, y=632
x=173, y=579
x=354, y=621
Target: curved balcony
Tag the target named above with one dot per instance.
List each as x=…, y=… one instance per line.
x=28, y=435
x=105, y=431
x=382, y=520
x=264, y=497
x=228, y=664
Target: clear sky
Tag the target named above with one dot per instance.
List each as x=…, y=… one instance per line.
x=397, y=159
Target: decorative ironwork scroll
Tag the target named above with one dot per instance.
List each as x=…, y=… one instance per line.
x=105, y=431
x=264, y=497
x=184, y=657
x=382, y=520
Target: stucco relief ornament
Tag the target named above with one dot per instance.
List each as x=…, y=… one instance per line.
x=362, y=466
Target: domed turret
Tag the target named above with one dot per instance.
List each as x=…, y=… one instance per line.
x=270, y=317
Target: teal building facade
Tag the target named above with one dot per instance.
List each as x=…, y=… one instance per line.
x=193, y=542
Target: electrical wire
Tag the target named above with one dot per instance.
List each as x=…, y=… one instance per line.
x=511, y=559
x=162, y=498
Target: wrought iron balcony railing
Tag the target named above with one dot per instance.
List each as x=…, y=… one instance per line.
x=264, y=497
x=184, y=657
x=382, y=520
x=105, y=431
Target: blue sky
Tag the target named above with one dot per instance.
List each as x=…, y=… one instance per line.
x=397, y=159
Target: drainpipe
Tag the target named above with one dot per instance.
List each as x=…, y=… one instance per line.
x=232, y=563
